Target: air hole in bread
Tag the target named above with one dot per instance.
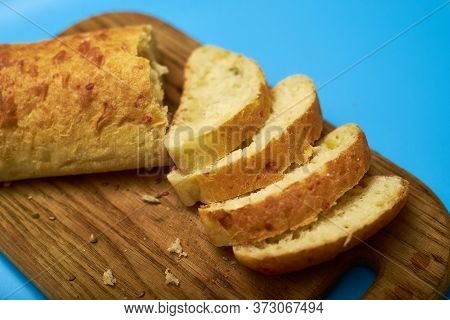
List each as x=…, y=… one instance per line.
x=332, y=141
x=235, y=71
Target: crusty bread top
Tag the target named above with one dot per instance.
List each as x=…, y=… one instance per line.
x=79, y=103
x=294, y=124
x=221, y=89
x=358, y=213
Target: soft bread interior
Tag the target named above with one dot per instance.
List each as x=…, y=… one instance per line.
x=219, y=84
x=291, y=99
x=146, y=48
x=328, y=148
x=359, y=207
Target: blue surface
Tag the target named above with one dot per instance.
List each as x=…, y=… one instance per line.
x=399, y=95
x=353, y=284
x=14, y=285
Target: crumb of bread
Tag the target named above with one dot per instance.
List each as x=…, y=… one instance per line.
x=176, y=247
x=150, y=199
x=163, y=194
x=7, y=184
x=162, y=70
x=35, y=215
x=229, y=260
x=347, y=240
x=30, y=197
x=171, y=279
x=71, y=278
x=108, y=278
x=93, y=239
x=51, y=218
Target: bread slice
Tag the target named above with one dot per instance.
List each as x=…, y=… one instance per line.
x=225, y=101
x=339, y=162
x=295, y=123
x=359, y=214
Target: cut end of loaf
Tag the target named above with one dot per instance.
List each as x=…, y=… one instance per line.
x=146, y=48
x=125, y=110
x=360, y=213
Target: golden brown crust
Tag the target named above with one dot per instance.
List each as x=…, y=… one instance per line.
x=266, y=166
x=78, y=104
x=297, y=205
x=299, y=260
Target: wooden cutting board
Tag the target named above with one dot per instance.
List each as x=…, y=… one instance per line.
x=410, y=256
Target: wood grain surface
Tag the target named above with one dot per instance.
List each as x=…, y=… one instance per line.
x=45, y=225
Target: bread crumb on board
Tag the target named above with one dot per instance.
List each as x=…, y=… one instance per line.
x=347, y=240
x=150, y=199
x=176, y=247
x=93, y=239
x=71, y=278
x=108, y=278
x=30, y=197
x=35, y=215
x=170, y=278
x=163, y=194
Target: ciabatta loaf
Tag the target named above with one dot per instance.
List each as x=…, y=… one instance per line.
x=224, y=102
x=359, y=214
x=83, y=103
x=295, y=123
x=339, y=162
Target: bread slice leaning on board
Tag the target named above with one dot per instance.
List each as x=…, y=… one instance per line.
x=359, y=214
x=83, y=103
x=225, y=101
x=339, y=161
x=286, y=138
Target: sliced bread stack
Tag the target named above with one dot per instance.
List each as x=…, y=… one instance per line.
x=281, y=202
x=286, y=138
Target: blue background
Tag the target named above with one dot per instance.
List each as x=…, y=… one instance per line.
x=400, y=95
